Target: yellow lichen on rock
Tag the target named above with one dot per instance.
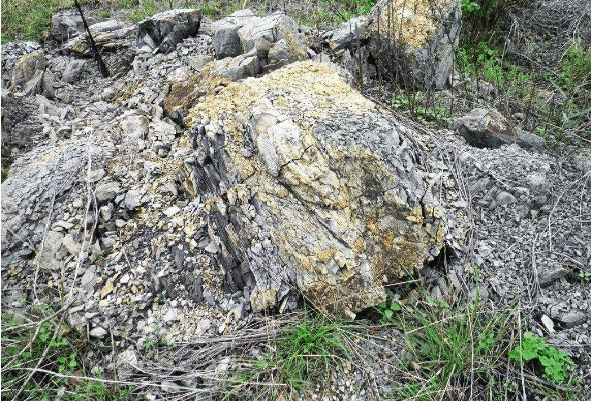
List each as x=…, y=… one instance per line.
x=337, y=216
x=412, y=23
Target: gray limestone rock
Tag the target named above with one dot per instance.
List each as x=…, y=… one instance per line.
x=503, y=198
x=127, y=361
x=236, y=68
x=260, y=33
x=162, y=32
x=567, y=318
x=27, y=67
x=98, y=332
x=73, y=70
x=35, y=85
x=107, y=191
x=11, y=53
x=226, y=42
x=66, y=24
x=107, y=35
x=71, y=245
x=38, y=179
x=549, y=274
x=525, y=139
x=347, y=33
x=133, y=199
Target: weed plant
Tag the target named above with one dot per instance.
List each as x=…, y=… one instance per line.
x=42, y=360
x=458, y=352
x=555, y=363
x=300, y=356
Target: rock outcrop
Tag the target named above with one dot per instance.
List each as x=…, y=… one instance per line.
x=161, y=33
x=108, y=35
x=411, y=40
x=188, y=191
x=312, y=185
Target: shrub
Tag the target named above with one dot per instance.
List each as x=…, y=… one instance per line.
x=533, y=348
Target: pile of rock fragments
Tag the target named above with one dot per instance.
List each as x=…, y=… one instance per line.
x=227, y=169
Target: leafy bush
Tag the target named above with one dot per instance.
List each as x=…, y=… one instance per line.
x=554, y=362
x=575, y=67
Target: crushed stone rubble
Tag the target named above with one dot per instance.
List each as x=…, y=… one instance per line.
x=96, y=211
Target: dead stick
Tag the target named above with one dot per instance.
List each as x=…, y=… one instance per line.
x=99, y=60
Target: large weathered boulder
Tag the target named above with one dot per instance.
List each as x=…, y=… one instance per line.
x=161, y=32
x=311, y=185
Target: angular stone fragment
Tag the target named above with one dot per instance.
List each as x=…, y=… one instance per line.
x=161, y=32
x=260, y=33
x=71, y=245
x=242, y=66
x=127, y=361
x=347, y=33
x=98, y=332
x=340, y=207
x=107, y=191
x=526, y=140
x=483, y=128
x=548, y=323
x=548, y=274
x=34, y=85
x=226, y=42
x=567, y=318
x=133, y=199
x=26, y=67
x=110, y=34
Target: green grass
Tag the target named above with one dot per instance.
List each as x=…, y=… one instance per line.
x=26, y=18
x=4, y=173
x=456, y=350
x=301, y=356
x=40, y=353
x=149, y=8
